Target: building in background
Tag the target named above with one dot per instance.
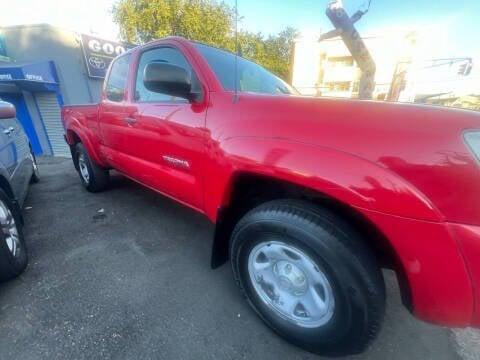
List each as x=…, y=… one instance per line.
x=405, y=69
x=327, y=68
x=43, y=67
x=449, y=82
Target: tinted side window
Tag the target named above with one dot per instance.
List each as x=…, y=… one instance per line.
x=250, y=76
x=167, y=55
x=222, y=64
x=117, y=81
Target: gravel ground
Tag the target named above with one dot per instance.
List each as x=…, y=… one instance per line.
x=125, y=274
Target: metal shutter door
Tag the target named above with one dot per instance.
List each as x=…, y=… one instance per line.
x=51, y=115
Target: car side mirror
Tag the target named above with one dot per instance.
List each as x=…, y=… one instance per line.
x=168, y=79
x=7, y=110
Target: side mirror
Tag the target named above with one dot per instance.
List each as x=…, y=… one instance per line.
x=168, y=79
x=7, y=110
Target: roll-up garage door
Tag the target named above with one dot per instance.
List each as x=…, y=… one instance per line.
x=51, y=115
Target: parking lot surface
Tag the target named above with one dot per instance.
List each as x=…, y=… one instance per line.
x=125, y=274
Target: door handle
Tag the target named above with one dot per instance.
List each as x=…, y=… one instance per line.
x=9, y=130
x=130, y=120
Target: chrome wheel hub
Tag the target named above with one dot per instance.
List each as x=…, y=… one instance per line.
x=289, y=282
x=82, y=165
x=9, y=229
x=290, y=278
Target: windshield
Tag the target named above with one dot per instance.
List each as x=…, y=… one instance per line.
x=250, y=76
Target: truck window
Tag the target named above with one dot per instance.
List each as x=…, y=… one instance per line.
x=250, y=76
x=162, y=54
x=117, y=80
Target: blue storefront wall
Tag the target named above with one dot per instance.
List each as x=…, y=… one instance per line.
x=25, y=119
x=31, y=78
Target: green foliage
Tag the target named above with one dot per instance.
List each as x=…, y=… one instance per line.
x=144, y=20
x=206, y=21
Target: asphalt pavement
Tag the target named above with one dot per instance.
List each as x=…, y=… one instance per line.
x=124, y=274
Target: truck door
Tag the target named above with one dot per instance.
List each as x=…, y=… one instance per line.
x=167, y=134
x=113, y=121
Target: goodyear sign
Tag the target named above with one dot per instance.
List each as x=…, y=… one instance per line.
x=99, y=53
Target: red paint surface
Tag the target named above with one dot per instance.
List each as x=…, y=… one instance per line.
x=405, y=167
x=469, y=239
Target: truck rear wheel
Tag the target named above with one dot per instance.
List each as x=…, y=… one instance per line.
x=13, y=252
x=309, y=276
x=93, y=177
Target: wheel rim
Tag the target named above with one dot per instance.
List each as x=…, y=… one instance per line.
x=83, y=168
x=291, y=284
x=9, y=230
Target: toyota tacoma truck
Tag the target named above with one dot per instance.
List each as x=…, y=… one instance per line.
x=311, y=197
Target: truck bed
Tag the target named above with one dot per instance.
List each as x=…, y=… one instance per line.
x=84, y=116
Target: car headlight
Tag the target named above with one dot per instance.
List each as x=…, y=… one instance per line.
x=472, y=138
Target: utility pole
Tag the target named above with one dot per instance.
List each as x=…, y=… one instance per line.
x=344, y=27
x=400, y=83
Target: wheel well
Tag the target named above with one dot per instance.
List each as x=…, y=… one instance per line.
x=5, y=186
x=74, y=140
x=74, y=137
x=251, y=190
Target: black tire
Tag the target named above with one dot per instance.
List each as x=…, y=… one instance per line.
x=11, y=265
x=335, y=248
x=98, y=177
x=36, y=173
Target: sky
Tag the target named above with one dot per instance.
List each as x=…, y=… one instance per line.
x=453, y=24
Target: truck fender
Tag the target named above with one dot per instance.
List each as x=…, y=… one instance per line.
x=75, y=133
x=346, y=178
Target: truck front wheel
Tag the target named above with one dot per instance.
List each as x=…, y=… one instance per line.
x=93, y=177
x=309, y=276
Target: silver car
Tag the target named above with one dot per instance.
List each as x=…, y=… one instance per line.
x=18, y=168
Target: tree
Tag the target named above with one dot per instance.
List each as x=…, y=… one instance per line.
x=144, y=20
x=207, y=21
x=273, y=53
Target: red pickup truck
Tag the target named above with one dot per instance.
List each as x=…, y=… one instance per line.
x=311, y=197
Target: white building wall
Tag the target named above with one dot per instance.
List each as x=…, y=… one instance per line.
x=311, y=63
x=306, y=67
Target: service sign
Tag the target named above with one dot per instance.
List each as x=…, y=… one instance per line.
x=99, y=53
